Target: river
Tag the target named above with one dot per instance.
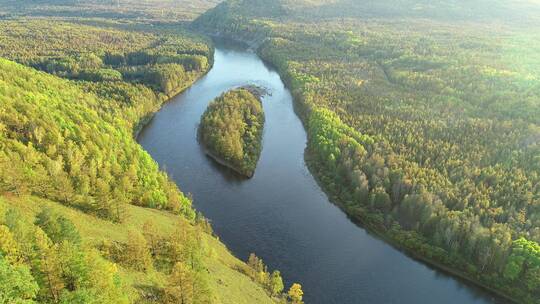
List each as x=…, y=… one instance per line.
x=281, y=214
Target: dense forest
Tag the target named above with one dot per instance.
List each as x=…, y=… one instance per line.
x=136, y=67
x=231, y=130
x=162, y=60
x=86, y=216
x=57, y=144
x=85, y=148
x=147, y=10
x=424, y=127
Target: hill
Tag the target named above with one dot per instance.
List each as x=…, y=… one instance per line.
x=226, y=280
x=75, y=189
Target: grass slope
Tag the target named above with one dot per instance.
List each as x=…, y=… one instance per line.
x=229, y=285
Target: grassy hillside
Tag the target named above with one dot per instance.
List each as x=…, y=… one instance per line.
x=423, y=124
x=227, y=283
x=75, y=187
x=56, y=145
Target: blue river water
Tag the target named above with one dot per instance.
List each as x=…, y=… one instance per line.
x=281, y=214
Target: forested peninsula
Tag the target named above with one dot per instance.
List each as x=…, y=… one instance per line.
x=231, y=129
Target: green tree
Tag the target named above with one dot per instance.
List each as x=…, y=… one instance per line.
x=75, y=271
x=180, y=285
x=295, y=294
x=47, y=267
x=17, y=286
x=276, y=283
x=137, y=252
x=58, y=228
x=9, y=248
x=151, y=234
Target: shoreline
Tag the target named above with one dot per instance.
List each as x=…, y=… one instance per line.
x=145, y=119
x=388, y=239
x=300, y=110
x=223, y=162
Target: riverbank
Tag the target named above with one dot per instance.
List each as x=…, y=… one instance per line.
x=368, y=221
x=365, y=218
x=229, y=281
x=224, y=162
x=139, y=126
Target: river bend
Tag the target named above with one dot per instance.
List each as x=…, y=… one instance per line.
x=281, y=214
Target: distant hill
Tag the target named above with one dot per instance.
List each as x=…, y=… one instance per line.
x=522, y=11
x=163, y=10
x=450, y=9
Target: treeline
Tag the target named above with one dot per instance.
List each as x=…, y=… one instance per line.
x=231, y=130
x=163, y=62
x=424, y=132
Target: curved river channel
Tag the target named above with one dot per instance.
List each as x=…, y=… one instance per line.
x=281, y=214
